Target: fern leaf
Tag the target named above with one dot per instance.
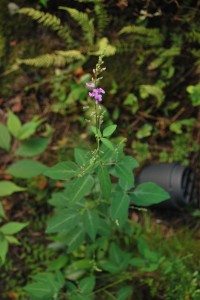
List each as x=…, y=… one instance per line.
x=193, y=37
x=123, y=46
x=83, y=20
x=49, y=21
x=58, y=59
x=102, y=16
x=139, y=30
x=104, y=47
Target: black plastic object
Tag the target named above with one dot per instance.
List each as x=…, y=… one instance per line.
x=176, y=179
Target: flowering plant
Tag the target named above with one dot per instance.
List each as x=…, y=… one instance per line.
x=91, y=228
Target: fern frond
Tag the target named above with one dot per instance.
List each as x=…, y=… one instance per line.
x=139, y=30
x=85, y=23
x=193, y=37
x=49, y=21
x=123, y=46
x=152, y=36
x=102, y=16
x=58, y=59
x=104, y=47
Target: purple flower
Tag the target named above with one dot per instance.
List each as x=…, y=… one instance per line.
x=96, y=93
x=90, y=84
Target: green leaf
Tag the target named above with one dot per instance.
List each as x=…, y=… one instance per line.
x=91, y=222
x=32, y=147
x=194, y=94
x=80, y=156
x=14, y=124
x=138, y=262
x=144, y=131
x=124, y=170
x=108, y=131
x=12, y=227
x=5, y=137
x=63, y=221
x=8, y=188
x=26, y=169
x=81, y=187
x=152, y=90
x=118, y=260
x=132, y=101
x=107, y=143
x=96, y=131
x=119, y=207
x=47, y=285
x=2, y=212
x=62, y=171
x=104, y=180
x=148, y=193
x=12, y=240
x=28, y=129
x=58, y=263
x=60, y=199
x=75, y=238
x=124, y=293
x=87, y=284
x=3, y=249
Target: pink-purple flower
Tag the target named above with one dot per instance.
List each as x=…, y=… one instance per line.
x=90, y=84
x=96, y=93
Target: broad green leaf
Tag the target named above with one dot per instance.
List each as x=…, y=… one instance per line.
x=194, y=94
x=39, y=291
x=32, y=147
x=118, y=260
x=119, y=257
x=28, y=129
x=110, y=267
x=124, y=170
x=60, y=199
x=138, y=262
x=148, y=193
x=80, y=156
x=87, y=284
x=3, y=249
x=152, y=90
x=64, y=220
x=75, y=238
x=81, y=297
x=2, y=212
x=26, y=169
x=107, y=143
x=58, y=263
x=104, y=180
x=81, y=187
x=124, y=293
x=12, y=227
x=96, y=131
x=62, y=171
x=14, y=124
x=8, y=188
x=5, y=137
x=12, y=240
x=105, y=228
x=45, y=287
x=144, y=250
x=108, y=131
x=91, y=222
x=119, y=207
x=144, y=131
x=132, y=101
